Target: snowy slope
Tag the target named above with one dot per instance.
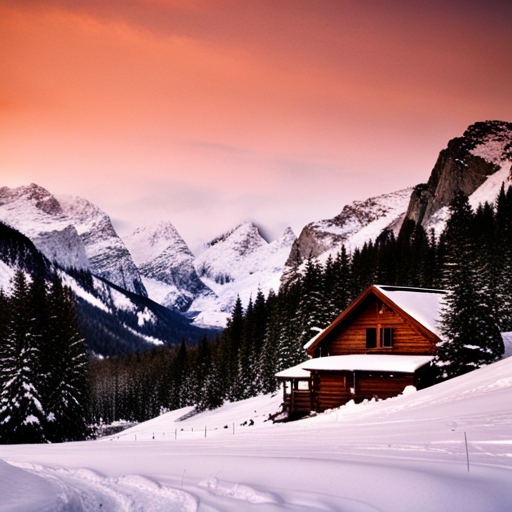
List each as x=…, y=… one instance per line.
x=108, y=256
x=166, y=265
x=36, y=213
x=403, y=454
x=358, y=222
x=71, y=232
x=363, y=221
x=238, y=263
x=112, y=320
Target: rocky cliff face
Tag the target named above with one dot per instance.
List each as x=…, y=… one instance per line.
x=108, y=256
x=357, y=223
x=166, y=265
x=464, y=165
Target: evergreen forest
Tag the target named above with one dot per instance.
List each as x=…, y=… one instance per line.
x=43, y=364
x=472, y=259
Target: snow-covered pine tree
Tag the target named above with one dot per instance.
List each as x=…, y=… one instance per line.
x=471, y=337
x=246, y=370
x=214, y=392
x=201, y=368
x=179, y=370
x=66, y=388
x=4, y=318
x=22, y=418
x=313, y=309
x=290, y=347
x=342, y=278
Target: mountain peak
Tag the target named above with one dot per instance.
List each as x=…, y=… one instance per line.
x=244, y=230
x=464, y=165
x=33, y=194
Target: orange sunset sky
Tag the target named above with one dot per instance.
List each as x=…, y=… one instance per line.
x=208, y=113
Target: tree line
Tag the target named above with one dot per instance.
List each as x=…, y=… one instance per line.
x=49, y=392
x=472, y=259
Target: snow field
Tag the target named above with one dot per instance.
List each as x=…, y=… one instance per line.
x=403, y=454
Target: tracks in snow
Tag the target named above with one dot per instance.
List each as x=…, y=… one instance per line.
x=83, y=490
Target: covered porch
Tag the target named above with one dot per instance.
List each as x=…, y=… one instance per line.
x=297, y=391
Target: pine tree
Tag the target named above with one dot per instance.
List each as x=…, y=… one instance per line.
x=202, y=367
x=246, y=371
x=471, y=337
x=269, y=354
x=291, y=347
x=66, y=391
x=22, y=418
x=313, y=310
x=230, y=344
x=179, y=371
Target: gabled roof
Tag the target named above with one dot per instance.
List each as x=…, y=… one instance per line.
x=421, y=307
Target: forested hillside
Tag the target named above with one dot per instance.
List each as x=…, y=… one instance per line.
x=269, y=334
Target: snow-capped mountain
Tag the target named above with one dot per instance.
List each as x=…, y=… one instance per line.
x=113, y=321
x=357, y=223
x=166, y=265
x=72, y=232
x=476, y=163
x=36, y=213
x=238, y=263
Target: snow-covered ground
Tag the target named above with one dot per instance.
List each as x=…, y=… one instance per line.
x=404, y=454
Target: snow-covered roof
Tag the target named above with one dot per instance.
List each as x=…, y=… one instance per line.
x=313, y=339
x=294, y=372
x=368, y=362
x=422, y=304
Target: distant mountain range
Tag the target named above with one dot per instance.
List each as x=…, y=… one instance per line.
x=154, y=265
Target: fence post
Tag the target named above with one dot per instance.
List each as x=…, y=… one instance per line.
x=467, y=452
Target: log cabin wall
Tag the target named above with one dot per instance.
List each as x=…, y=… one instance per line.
x=330, y=389
x=350, y=336
x=382, y=385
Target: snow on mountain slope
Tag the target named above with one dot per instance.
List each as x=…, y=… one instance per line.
x=358, y=222
x=407, y=453
x=166, y=265
x=477, y=163
x=36, y=213
x=487, y=192
x=71, y=232
x=225, y=258
x=238, y=263
x=107, y=254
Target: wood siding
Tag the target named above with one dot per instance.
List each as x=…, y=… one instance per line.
x=382, y=385
x=350, y=337
x=332, y=389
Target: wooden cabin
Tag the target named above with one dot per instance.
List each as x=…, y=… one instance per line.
x=383, y=342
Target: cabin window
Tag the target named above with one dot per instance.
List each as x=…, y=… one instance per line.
x=371, y=337
x=303, y=385
x=386, y=337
